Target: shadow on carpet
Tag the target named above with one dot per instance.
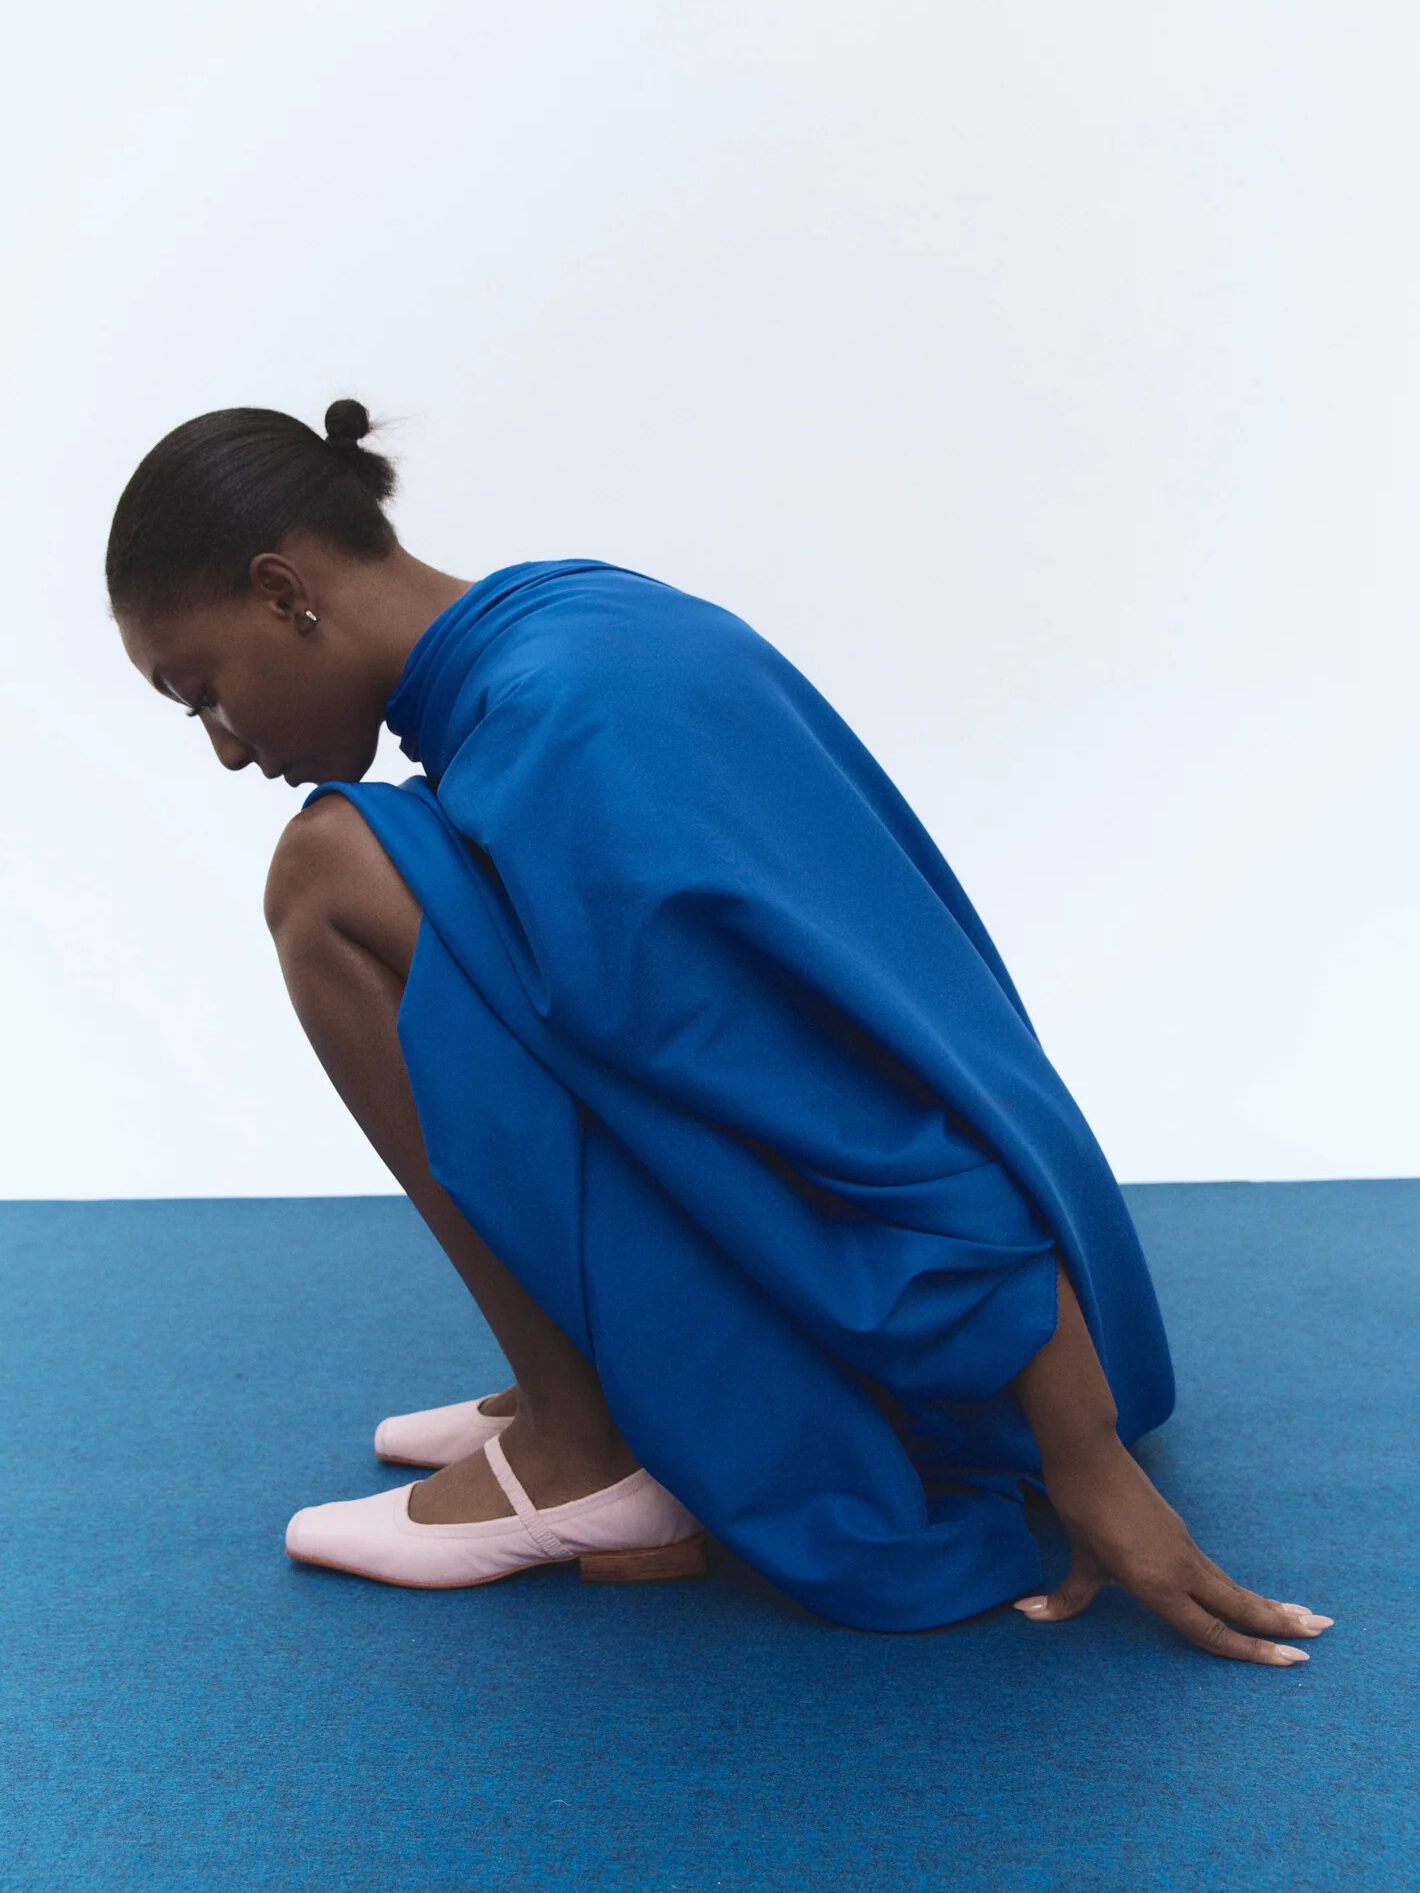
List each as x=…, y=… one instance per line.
x=184, y=1708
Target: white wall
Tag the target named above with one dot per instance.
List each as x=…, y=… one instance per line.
x=1041, y=378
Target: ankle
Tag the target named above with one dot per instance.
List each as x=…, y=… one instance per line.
x=570, y=1463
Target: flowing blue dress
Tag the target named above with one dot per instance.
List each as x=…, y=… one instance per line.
x=711, y=1048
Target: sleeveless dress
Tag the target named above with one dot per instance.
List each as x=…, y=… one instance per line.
x=712, y=1050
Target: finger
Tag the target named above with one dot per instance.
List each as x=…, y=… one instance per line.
x=1212, y=1634
x=1218, y=1592
x=1264, y=1616
x=1076, y=1594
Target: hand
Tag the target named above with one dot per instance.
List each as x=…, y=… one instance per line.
x=1123, y=1532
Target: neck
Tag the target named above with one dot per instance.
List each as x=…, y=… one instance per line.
x=395, y=600
x=383, y=605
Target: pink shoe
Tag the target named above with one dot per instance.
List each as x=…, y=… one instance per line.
x=439, y=1435
x=633, y=1529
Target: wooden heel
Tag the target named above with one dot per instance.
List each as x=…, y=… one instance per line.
x=684, y=1559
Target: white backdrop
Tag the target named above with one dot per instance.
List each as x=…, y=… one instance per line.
x=1042, y=379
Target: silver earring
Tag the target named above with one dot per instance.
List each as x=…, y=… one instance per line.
x=310, y=617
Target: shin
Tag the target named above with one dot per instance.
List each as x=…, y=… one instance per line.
x=345, y=927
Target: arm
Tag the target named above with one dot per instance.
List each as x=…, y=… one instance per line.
x=1121, y=1531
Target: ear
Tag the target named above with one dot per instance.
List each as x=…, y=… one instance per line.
x=277, y=584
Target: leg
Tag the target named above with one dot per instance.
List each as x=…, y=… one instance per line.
x=345, y=927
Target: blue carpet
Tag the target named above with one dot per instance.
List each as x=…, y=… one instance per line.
x=184, y=1708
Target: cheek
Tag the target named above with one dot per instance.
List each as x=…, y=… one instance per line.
x=258, y=713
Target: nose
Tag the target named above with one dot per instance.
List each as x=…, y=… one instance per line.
x=230, y=753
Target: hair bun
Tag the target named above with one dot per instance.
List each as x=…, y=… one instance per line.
x=346, y=423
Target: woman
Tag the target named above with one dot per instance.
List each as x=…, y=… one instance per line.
x=686, y=1044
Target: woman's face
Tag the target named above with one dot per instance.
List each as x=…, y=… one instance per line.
x=269, y=686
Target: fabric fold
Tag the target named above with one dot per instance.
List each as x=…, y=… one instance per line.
x=710, y=1046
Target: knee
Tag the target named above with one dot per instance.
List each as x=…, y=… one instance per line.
x=314, y=855
x=330, y=880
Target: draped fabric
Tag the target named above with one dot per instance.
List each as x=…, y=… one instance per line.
x=711, y=1048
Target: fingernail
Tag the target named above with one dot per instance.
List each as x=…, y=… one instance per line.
x=1032, y=1603
x=1309, y=1619
x=1289, y=1655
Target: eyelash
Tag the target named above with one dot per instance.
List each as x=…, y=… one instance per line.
x=204, y=702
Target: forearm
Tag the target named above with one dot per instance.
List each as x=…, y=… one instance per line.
x=1063, y=1390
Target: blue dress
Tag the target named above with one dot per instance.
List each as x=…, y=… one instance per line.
x=711, y=1048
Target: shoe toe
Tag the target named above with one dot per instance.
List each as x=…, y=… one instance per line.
x=343, y=1532
x=437, y=1435
x=298, y=1535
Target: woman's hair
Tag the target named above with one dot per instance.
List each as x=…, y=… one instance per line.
x=222, y=488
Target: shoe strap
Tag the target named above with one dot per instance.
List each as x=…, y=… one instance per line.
x=541, y=1534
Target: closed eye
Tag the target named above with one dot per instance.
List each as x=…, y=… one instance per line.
x=204, y=702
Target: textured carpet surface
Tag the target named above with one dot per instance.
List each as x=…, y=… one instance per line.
x=181, y=1707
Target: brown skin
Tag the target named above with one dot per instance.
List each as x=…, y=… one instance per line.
x=300, y=699
x=345, y=927
x=306, y=701
x=1121, y=1529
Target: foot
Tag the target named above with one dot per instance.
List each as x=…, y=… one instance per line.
x=437, y=1436
x=630, y=1531
x=552, y=1473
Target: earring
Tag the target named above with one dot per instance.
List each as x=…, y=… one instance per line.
x=310, y=617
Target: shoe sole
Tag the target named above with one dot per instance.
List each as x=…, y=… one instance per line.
x=645, y=1565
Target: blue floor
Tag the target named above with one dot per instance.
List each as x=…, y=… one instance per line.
x=184, y=1708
